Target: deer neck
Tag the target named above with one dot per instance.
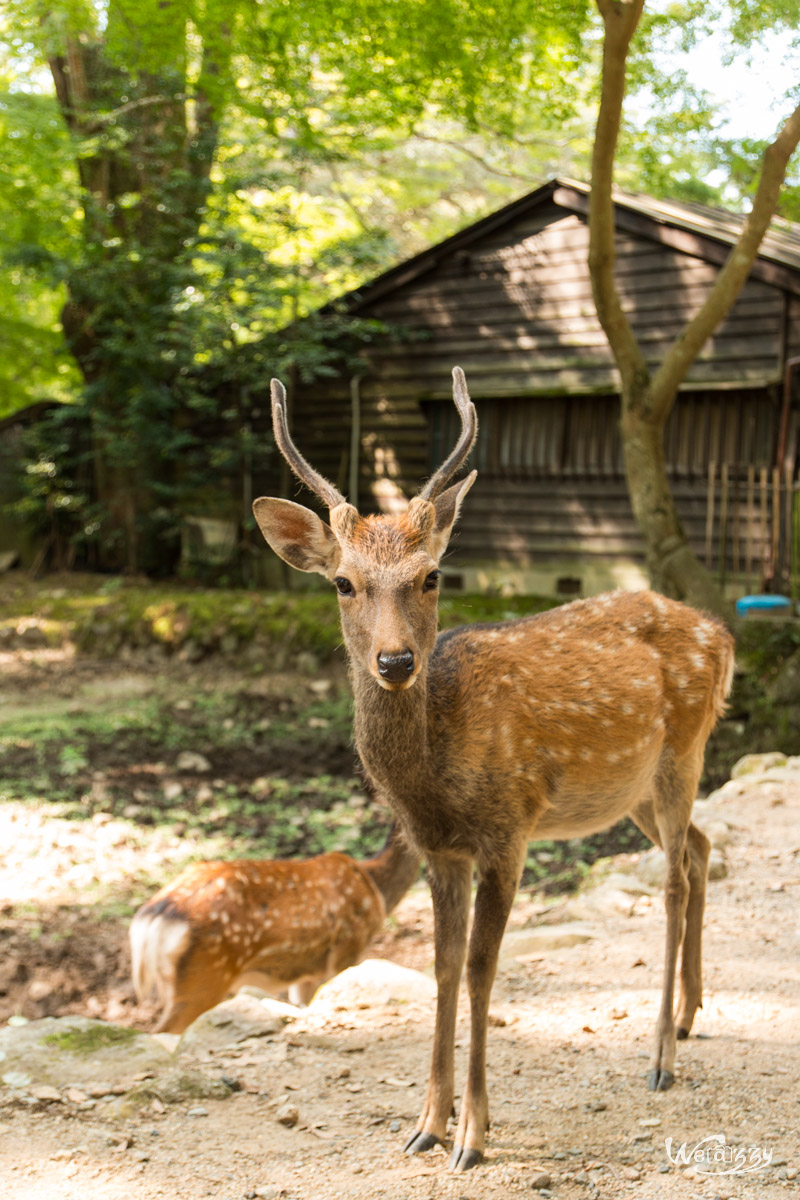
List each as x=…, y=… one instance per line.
x=393, y=734
x=393, y=870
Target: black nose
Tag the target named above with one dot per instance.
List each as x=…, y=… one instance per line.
x=396, y=668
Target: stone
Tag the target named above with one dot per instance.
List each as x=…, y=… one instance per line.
x=717, y=865
x=628, y=882
x=542, y=1180
x=372, y=984
x=243, y=1016
x=63, y=1051
x=719, y=833
x=287, y=1115
x=177, y=1085
x=608, y=899
x=652, y=868
x=729, y=791
x=189, y=760
x=519, y=943
x=758, y=764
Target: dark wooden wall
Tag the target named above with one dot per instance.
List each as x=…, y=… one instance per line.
x=515, y=310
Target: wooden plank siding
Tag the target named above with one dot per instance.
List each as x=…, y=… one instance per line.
x=513, y=306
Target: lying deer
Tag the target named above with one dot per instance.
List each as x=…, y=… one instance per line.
x=290, y=924
x=556, y=725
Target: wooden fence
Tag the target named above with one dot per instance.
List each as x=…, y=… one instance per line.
x=752, y=535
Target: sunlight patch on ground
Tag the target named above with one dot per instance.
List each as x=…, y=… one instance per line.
x=46, y=859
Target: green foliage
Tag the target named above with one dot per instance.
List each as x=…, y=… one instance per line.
x=205, y=175
x=37, y=220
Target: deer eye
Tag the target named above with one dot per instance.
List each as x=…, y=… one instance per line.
x=431, y=581
x=344, y=586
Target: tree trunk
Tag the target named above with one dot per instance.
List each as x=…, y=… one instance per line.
x=673, y=568
x=144, y=168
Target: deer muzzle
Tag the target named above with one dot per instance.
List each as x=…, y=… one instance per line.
x=396, y=668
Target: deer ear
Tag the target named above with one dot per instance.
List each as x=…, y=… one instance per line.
x=297, y=535
x=448, y=506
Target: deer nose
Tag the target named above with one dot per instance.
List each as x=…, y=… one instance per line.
x=396, y=668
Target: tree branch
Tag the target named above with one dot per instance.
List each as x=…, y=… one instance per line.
x=620, y=18
x=731, y=279
x=473, y=154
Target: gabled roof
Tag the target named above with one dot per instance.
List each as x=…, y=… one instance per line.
x=695, y=229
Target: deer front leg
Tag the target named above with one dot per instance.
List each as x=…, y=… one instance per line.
x=497, y=886
x=451, y=884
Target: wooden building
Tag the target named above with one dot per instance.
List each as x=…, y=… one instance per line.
x=509, y=299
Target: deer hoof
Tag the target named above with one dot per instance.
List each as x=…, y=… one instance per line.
x=462, y=1158
x=660, y=1080
x=420, y=1141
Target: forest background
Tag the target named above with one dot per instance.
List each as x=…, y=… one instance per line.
x=182, y=181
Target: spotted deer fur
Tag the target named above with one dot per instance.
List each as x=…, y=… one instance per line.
x=553, y=726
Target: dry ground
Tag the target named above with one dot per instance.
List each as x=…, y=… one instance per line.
x=567, y=1056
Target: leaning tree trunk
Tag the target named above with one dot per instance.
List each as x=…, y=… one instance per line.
x=672, y=566
x=648, y=398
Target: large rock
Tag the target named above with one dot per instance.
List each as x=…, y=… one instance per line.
x=620, y=881
x=758, y=764
x=371, y=984
x=601, y=901
x=652, y=868
x=519, y=943
x=243, y=1016
x=73, y=1050
x=717, y=865
x=719, y=833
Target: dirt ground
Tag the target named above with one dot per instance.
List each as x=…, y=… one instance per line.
x=568, y=1048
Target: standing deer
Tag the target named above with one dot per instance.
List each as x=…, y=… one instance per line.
x=556, y=725
x=278, y=924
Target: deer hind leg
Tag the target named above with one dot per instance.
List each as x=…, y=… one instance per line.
x=198, y=986
x=666, y=822
x=691, y=981
x=497, y=886
x=451, y=885
x=184, y=1010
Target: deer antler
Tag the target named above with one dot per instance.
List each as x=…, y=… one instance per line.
x=303, y=470
x=469, y=431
